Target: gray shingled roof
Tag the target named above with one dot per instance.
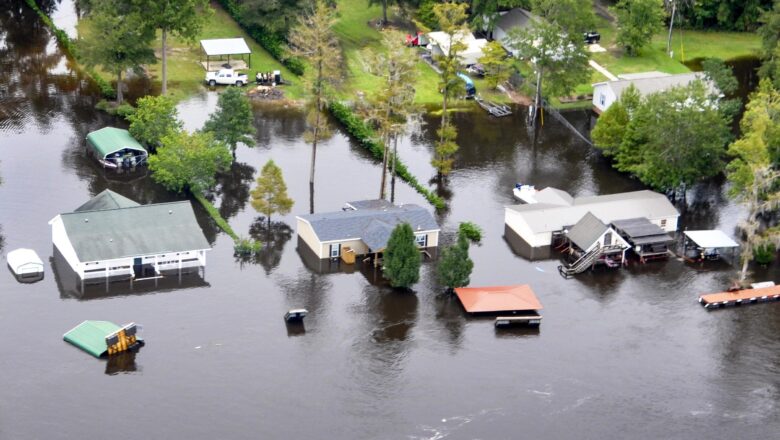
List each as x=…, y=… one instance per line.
x=586, y=231
x=373, y=226
x=133, y=231
x=106, y=199
x=370, y=204
x=647, y=86
x=517, y=17
x=641, y=231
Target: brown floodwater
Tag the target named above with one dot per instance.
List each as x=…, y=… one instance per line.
x=621, y=354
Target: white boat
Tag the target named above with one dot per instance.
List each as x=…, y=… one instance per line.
x=25, y=264
x=525, y=193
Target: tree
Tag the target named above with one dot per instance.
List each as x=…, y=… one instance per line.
x=559, y=63
x=181, y=18
x=189, y=162
x=770, y=44
x=232, y=122
x=734, y=15
x=276, y=17
x=401, y=265
x=722, y=76
x=270, y=195
x=752, y=173
x=638, y=21
x=611, y=126
x=313, y=39
x=451, y=18
x=116, y=41
x=392, y=104
x=154, y=117
x=455, y=266
x=574, y=17
x=496, y=63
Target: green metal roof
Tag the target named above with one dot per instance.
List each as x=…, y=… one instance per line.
x=110, y=139
x=107, y=199
x=90, y=336
x=134, y=231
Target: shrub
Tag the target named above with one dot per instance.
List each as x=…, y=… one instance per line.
x=246, y=247
x=471, y=231
x=765, y=253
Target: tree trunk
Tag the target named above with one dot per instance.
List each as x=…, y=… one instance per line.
x=233, y=148
x=119, y=96
x=538, y=97
x=269, y=222
x=385, y=155
x=392, y=172
x=743, y=272
x=164, y=62
x=384, y=12
x=311, y=198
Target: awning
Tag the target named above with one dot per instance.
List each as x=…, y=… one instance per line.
x=711, y=239
x=498, y=299
x=225, y=46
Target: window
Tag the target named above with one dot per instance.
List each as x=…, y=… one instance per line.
x=663, y=223
x=421, y=239
x=603, y=99
x=335, y=250
x=608, y=239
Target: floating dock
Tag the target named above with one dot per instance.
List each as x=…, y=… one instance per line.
x=497, y=110
x=739, y=297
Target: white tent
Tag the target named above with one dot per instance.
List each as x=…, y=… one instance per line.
x=24, y=262
x=711, y=239
x=440, y=45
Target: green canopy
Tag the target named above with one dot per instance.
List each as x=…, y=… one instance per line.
x=109, y=139
x=90, y=336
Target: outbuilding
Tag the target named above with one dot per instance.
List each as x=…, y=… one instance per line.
x=706, y=245
x=439, y=45
x=103, y=338
x=225, y=47
x=646, y=83
x=114, y=148
x=25, y=264
x=647, y=239
x=516, y=18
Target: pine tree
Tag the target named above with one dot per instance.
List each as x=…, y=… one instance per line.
x=455, y=266
x=270, y=195
x=402, y=257
x=232, y=122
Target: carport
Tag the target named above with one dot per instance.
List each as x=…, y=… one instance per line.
x=222, y=47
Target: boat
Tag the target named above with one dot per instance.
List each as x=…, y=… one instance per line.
x=295, y=315
x=525, y=193
x=25, y=265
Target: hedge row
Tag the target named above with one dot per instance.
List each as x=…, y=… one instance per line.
x=273, y=43
x=366, y=138
x=214, y=213
x=105, y=87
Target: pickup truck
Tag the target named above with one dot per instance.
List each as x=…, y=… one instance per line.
x=226, y=77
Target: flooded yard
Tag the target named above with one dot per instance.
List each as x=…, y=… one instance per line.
x=620, y=354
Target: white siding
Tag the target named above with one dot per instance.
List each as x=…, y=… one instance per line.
x=60, y=239
x=306, y=233
x=603, y=96
x=518, y=224
x=668, y=224
x=616, y=239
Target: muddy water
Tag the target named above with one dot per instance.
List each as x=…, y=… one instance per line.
x=625, y=354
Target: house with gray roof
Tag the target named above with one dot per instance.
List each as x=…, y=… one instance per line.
x=112, y=236
x=364, y=227
x=537, y=223
x=516, y=18
x=607, y=92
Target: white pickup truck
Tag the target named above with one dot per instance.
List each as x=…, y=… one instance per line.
x=226, y=77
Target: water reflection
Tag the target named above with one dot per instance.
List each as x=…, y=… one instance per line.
x=123, y=362
x=274, y=237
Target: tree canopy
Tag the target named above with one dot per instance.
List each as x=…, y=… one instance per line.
x=270, y=195
x=233, y=121
x=401, y=263
x=497, y=64
x=730, y=15
x=189, y=162
x=574, y=17
x=274, y=16
x=637, y=22
x=770, y=44
x=154, y=117
x=455, y=266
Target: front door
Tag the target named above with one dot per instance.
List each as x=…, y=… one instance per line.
x=138, y=264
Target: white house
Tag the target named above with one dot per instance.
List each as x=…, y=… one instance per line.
x=439, y=45
x=535, y=223
x=111, y=236
x=364, y=227
x=516, y=18
x=607, y=92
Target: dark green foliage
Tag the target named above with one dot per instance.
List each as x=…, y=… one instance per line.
x=155, y=117
x=765, y=253
x=638, y=21
x=274, y=43
x=770, y=44
x=718, y=72
x=484, y=13
x=189, y=161
x=214, y=213
x=247, y=247
x=233, y=121
x=365, y=137
x=575, y=17
x=729, y=15
x=401, y=262
x=455, y=266
x=471, y=231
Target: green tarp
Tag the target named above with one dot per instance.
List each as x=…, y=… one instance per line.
x=109, y=139
x=90, y=336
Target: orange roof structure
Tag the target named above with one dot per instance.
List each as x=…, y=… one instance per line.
x=498, y=298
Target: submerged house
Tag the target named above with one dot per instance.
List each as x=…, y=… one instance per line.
x=538, y=224
x=363, y=228
x=112, y=236
x=591, y=242
x=648, y=240
x=607, y=92
x=114, y=148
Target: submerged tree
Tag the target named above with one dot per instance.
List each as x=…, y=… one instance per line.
x=313, y=39
x=232, y=122
x=189, y=162
x=154, y=117
x=181, y=18
x=451, y=19
x=117, y=40
x=401, y=265
x=270, y=195
x=752, y=173
x=392, y=105
x=455, y=266
x=638, y=21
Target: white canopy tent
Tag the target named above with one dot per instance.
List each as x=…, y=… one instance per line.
x=711, y=239
x=225, y=46
x=440, y=45
x=25, y=263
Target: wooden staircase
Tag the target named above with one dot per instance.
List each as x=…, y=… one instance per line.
x=585, y=261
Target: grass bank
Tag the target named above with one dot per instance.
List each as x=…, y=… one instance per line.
x=214, y=213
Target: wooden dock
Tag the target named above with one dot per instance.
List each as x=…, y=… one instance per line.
x=740, y=297
x=508, y=321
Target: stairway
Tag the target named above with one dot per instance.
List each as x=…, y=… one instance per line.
x=585, y=261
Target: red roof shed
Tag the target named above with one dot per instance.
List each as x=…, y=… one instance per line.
x=498, y=299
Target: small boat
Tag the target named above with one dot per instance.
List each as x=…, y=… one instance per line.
x=295, y=315
x=525, y=193
x=25, y=264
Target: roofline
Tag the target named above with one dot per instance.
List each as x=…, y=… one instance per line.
x=179, y=202
x=137, y=256
x=361, y=238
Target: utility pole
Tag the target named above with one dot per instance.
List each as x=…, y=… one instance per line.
x=671, y=24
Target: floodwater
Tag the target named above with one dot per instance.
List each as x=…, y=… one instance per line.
x=623, y=354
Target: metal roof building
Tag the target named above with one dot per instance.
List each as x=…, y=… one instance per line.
x=607, y=92
x=225, y=46
x=111, y=146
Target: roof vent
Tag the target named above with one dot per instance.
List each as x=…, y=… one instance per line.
x=86, y=220
x=170, y=211
x=110, y=240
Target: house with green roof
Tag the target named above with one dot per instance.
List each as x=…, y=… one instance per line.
x=111, y=236
x=114, y=148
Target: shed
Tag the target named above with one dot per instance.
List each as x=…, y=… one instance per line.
x=25, y=263
x=101, y=338
x=115, y=148
x=226, y=47
x=496, y=299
